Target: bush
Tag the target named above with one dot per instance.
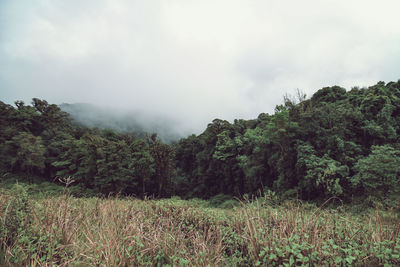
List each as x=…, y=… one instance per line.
x=217, y=200
x=378, y=173
x=15, y=214
x=229, y=204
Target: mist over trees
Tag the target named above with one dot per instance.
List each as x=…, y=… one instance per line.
x=137, y=122
x=336, y=143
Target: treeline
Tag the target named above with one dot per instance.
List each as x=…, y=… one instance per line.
x=337, y=143
x=39, y=140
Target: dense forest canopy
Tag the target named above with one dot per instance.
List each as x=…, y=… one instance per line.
x=336, y=143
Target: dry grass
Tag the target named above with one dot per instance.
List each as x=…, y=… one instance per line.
x=66, y=231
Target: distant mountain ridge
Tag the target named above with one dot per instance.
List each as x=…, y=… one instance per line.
x=121, y=121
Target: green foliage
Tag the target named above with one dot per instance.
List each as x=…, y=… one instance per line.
x=29, y=152
x=337, y=143
x=329, y=94
x=141, y=164
x=379, y=172
x=164, y=166
x=15, y=215
x=220, y=199
x=229, y=204
x=319, y=174
x=56, y=230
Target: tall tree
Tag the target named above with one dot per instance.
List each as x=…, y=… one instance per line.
x=163, y=156
x=28, y=153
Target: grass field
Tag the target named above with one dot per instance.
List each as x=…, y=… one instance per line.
x=65, y=230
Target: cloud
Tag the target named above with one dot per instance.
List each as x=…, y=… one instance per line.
x=193, y=60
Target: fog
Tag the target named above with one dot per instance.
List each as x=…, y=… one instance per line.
x=125, y=120
x=188, y=62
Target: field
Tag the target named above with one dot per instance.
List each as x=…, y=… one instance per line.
x=40, y=230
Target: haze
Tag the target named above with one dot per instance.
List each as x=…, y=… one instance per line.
x=193, y=61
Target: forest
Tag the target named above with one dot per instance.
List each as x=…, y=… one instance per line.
x=337, y=143
x=314, y=184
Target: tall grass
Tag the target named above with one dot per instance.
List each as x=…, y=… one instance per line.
x=68, y=231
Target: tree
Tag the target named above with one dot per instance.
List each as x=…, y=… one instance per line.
x=280, y=133
x=78, y=158
x=163, y=156
x=141, y=164
x=379, y=172
x=318, y=176
x=329, y=94
x=29, y=153
x=255, y=150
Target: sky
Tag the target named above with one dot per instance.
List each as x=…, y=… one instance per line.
x=193, y=61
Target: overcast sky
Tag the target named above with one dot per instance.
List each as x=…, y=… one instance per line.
x=193, y=61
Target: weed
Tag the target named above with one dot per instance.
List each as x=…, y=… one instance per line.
x=64, y=230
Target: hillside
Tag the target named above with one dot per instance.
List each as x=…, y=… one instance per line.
x=122, y=121
x=338, y=143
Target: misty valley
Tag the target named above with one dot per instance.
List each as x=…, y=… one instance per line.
x=315, y=183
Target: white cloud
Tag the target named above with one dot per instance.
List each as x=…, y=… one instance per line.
x=193, y=60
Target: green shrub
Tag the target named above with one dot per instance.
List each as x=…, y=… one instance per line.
x=228, y=204
x=378, y=173
x=217, y=200
x=16, y=214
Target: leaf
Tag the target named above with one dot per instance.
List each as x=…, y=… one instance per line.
x=291, y=260
x=349, y=260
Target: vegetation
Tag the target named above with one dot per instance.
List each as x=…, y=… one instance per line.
x=63, y=230
x=338, y=145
